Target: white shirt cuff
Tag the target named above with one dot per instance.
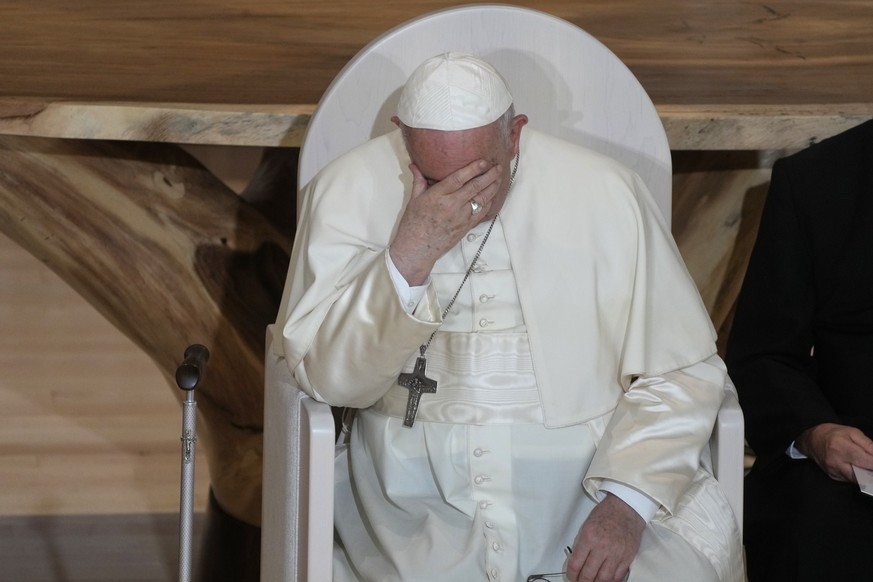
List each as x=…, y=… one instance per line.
x=639, y=502
x=794, y=453
x=409, y=296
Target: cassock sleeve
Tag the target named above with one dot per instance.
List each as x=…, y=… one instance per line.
x=673, y=382
x=655, y=437
x=342, y=313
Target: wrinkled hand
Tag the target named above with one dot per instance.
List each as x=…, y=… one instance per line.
x=607, y=543
x=438, y=215
x=836, y=447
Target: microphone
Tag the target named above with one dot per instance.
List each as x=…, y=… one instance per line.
x=191, y=370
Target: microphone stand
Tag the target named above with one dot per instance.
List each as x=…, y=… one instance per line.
x=188, y=376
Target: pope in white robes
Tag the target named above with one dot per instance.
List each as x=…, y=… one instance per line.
x=577, y=381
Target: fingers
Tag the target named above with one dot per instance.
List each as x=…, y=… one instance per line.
x=591, y=560
x=419, y=182
x=482, y=187
x=859, y=438
x=607, y=543
x=483, y=196
x=576, y=561
x=860, y=452
x=836, y=448
x=596, y=567
x=460, y=178
x=478, y=180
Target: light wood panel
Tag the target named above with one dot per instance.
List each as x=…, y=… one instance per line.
x=87, y=423
x=717, y=203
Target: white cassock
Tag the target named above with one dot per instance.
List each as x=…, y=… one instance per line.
x=577, y=356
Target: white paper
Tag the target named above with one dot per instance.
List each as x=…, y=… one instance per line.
x=865, y=479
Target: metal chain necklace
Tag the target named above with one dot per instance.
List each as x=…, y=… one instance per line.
x=417, y=381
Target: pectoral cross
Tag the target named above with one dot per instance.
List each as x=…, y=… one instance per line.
x=417, y=383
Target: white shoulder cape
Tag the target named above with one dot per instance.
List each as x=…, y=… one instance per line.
x=604, y=292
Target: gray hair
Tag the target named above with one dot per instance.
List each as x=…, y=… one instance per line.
x=504, y=123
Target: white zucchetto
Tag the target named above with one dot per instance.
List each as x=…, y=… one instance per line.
x=453, y=91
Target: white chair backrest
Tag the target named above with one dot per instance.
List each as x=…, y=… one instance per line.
x=568, y=84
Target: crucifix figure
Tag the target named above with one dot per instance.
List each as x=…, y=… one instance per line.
x=417, y=383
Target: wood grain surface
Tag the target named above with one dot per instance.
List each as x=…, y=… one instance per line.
x=712, y=52
x=170, y=256
x=87, y=422
x=723, y=74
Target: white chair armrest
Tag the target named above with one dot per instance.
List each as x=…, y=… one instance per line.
x=728, y=450
x=299, y=440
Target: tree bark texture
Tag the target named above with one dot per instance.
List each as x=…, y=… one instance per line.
x=170, y=256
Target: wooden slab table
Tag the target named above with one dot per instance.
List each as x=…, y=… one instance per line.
x=723, y=74
x=92, y=97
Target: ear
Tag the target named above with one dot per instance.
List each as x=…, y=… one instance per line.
x=518, y=122
x=395, y=120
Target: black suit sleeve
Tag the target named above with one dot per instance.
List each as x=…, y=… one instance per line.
x=769, y=350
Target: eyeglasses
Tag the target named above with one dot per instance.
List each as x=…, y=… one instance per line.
x=543, y=577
